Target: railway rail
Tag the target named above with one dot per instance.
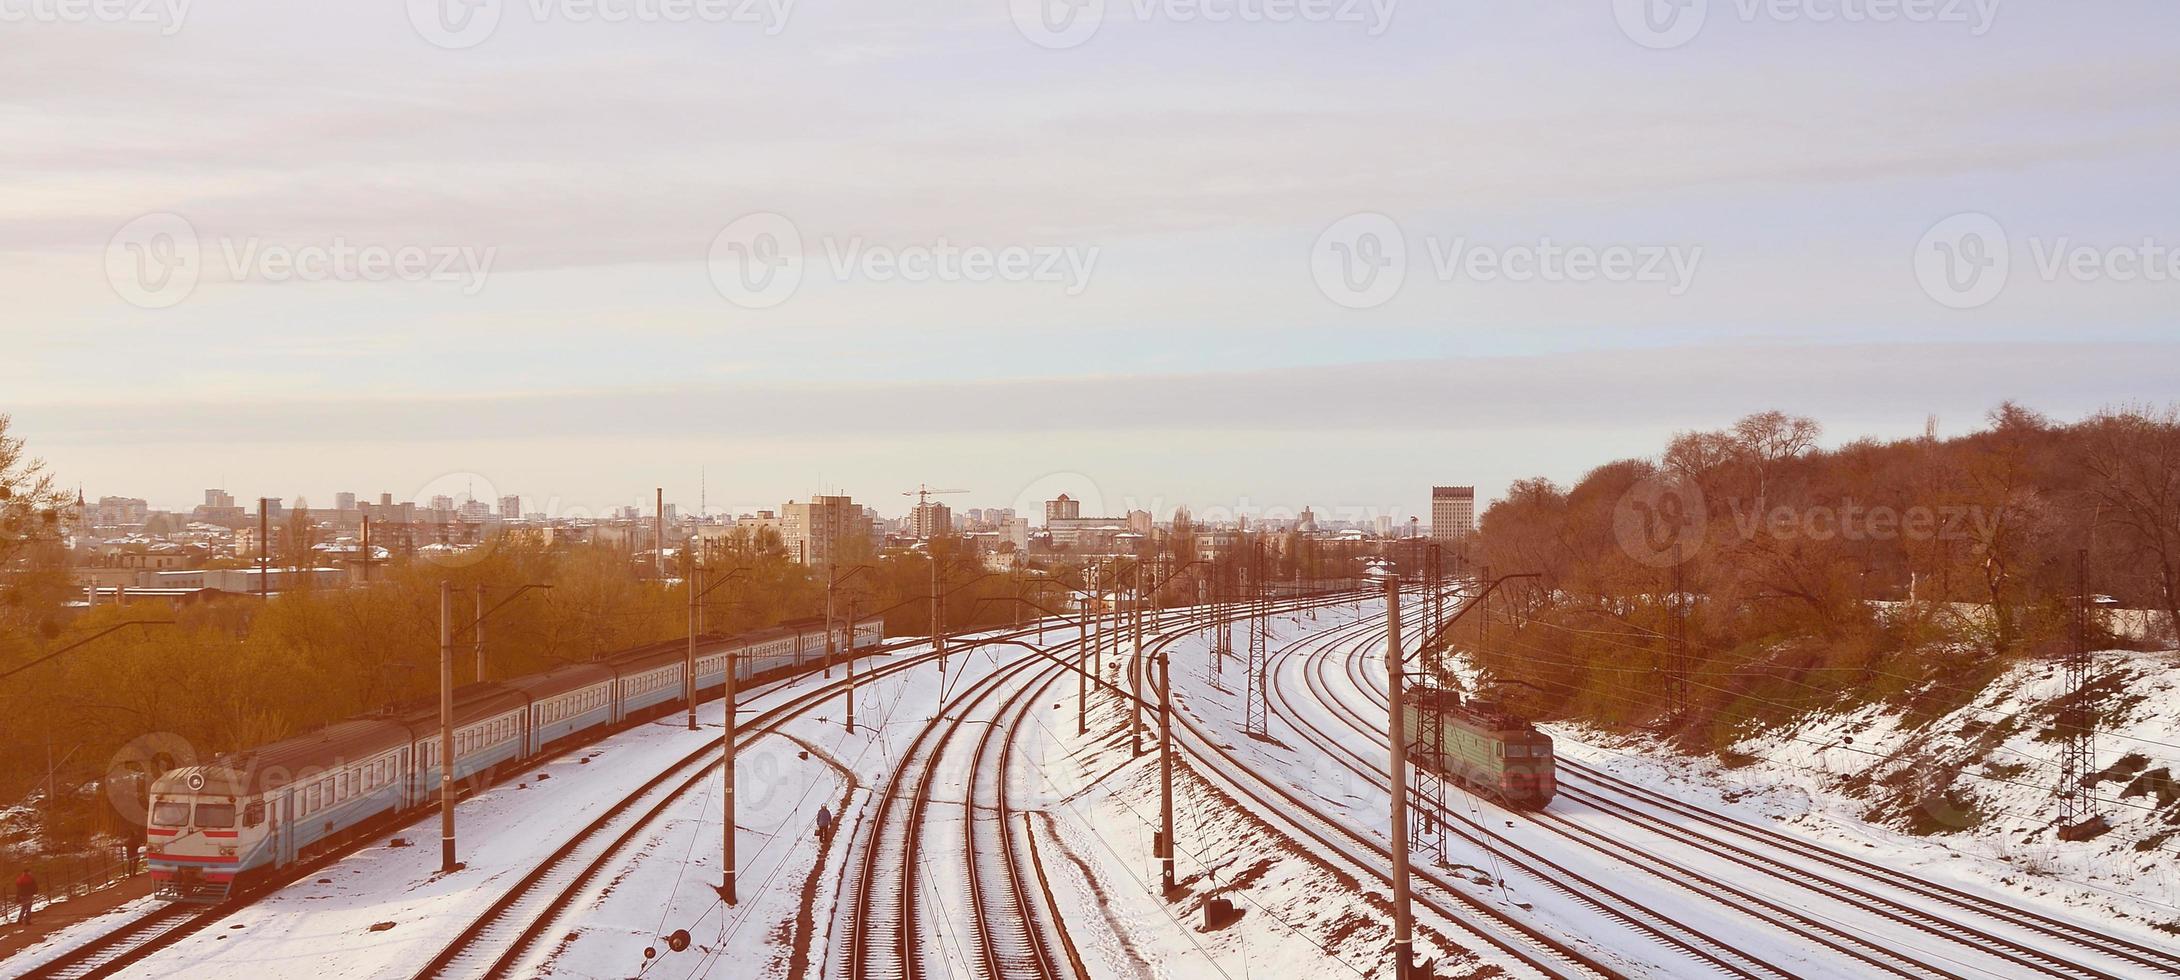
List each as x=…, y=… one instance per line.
x=2014, y=955
x=1463, y=915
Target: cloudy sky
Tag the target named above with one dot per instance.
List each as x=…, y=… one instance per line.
x=1228, y=253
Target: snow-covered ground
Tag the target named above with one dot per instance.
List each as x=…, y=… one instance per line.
x=1304, y=877
x=1329, y=717
x=1969, y=797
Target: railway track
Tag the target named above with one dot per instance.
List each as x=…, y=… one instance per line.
x=1587, y=888
x=1014, y=934
x=2013, y=955
x=511, y=937
x=1727, y=830
x=1704, y=950
x=1462, y=914
x=132, y=941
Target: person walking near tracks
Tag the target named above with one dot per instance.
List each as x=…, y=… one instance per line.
x=824, y=824
x=26, y=888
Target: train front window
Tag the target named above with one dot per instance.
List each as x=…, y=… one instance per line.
x=216, y=815
x=170, y=814
x=1517, y=751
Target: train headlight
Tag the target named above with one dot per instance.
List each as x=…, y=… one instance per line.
x=227, y=852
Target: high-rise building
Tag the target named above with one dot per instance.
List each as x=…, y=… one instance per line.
x=218, y=499
x=1453, y=513
x=931, y=520
x=1063, y=509
x=344, y=502
x=510, y=508
x=814, y=531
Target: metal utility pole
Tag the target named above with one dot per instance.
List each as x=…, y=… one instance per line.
x=938, y=611
x=726, y=740
x=366, y=551
x=851, y=674
x=1165, y=765
x=1397, y=769
x=1082, y=673
x=830, y=582
x=446, y=729
x=1676, y=693
x=264, y=553
x=688, y=669
x=658, y=534
x=2078, y=819
x=1135, y=712
x=480, y=634
x=1257, y=710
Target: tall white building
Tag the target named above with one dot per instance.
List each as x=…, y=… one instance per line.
x=1453, y=513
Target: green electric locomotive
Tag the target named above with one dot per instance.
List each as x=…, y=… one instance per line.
x=1481, y=747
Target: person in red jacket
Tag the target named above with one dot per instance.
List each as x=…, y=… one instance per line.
x=26, y=887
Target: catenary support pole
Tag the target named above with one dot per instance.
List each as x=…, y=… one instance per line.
x=446, y=728
x=1397, y=770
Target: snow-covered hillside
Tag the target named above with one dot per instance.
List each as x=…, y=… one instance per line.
x=1969, y=795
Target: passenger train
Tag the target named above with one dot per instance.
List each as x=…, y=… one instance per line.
x=219, y=826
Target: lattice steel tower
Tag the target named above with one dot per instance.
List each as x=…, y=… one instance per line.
x=2078, y=817
x=1257, y=712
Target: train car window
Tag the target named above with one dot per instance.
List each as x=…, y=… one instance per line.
x=253, y=814
x=165, y=814
x=216, y=815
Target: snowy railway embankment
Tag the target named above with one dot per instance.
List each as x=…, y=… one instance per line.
x=1979, y=782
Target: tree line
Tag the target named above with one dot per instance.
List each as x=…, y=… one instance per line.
x=1778, y=576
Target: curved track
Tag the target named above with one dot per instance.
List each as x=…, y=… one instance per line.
x=1999, y=950
x=1462, y=914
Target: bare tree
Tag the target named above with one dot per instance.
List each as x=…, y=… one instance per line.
x=2132, y=456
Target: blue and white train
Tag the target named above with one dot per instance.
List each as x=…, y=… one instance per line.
x=219, y=826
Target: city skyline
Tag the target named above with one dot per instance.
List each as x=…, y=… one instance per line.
x=609, y=349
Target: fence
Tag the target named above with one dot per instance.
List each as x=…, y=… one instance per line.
x=73, y=876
